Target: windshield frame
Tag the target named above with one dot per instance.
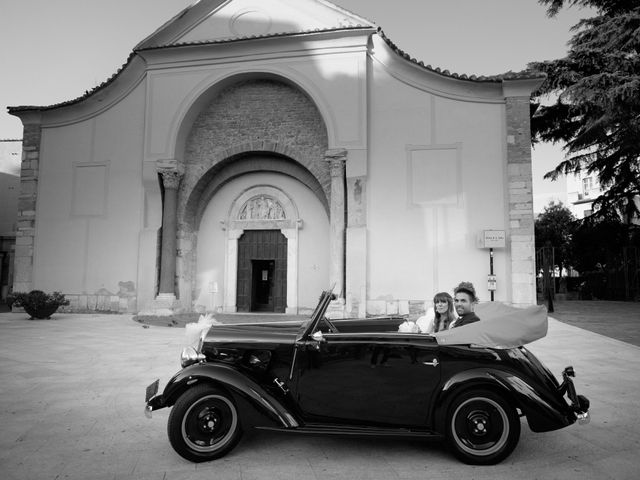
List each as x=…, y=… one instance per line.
x=307, y=329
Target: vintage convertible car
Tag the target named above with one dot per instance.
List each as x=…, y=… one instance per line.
x=362, y=377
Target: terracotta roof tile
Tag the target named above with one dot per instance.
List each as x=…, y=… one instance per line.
x=256, y=37
x=524, y=74
x=86, y=94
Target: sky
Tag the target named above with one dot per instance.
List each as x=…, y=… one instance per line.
x=52, y=51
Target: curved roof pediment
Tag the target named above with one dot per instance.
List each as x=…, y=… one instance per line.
x=211, y=21
x=222, y=22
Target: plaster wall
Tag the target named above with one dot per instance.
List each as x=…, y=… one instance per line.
x=336, y=83
x=90, y=201
x=313, y=240
x=444, y=161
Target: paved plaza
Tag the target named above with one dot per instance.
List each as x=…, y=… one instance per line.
x=72, y=403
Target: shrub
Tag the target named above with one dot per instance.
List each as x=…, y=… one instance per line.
x=37, y=303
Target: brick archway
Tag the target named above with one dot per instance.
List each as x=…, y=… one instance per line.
x=253, y=125
x=269, y=158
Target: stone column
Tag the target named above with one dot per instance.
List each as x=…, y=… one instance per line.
x=27, y=199
x=291, y=235
x=231, y=271
x=171, y=174
x=520, y=190
x=337, y=160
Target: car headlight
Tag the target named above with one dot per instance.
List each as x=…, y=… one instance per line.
x=189, y=356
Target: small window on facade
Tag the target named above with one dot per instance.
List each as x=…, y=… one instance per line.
x=587, y=185
x=588, y=213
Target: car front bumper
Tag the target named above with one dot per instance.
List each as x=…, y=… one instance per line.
x=152, y=399
x=579, y=403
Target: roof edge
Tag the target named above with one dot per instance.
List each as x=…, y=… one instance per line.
x=182, y=20
x=510, y=75
x=258, y=37
x=14, y=110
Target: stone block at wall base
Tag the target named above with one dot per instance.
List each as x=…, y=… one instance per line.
x=376, y=307
x=82, y=303
x=164, y=305
x=392, y=308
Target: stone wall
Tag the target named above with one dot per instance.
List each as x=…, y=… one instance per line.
x=25, y=232
x=251, y=113
x=520, y=198
x=81, y=303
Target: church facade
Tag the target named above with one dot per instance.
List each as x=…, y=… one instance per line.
x=246, y=158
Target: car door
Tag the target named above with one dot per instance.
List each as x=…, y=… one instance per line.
x=378, y=379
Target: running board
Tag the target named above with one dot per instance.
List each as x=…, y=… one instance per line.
x=315, y=429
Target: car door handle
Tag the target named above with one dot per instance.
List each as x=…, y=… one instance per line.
x=433, y=363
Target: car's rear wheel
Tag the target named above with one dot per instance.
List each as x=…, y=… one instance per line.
x=482, y=427
x=204, y=424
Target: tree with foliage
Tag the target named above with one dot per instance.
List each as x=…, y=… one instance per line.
x=556, y=225
x=598, y=242
x=606, y=255
x=596, y=112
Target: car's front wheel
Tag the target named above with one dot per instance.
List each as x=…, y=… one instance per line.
x=204, y=424
x=482, y=427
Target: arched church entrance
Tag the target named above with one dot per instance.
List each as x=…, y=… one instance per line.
x=262, y=271
x=262, y=254
x=250, y=182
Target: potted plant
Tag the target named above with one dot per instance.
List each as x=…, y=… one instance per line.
x=37, y=303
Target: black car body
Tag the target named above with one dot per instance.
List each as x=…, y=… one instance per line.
x=359, y=377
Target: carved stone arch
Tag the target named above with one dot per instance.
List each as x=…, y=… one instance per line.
x=288, y=225
x=257, y=192
x=236, y=164
x=190, y=212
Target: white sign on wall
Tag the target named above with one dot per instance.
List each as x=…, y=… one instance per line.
x=494, y=239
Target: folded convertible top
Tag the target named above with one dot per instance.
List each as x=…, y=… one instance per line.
x=500, y=326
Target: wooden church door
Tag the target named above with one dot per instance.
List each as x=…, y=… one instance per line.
x=262, y=271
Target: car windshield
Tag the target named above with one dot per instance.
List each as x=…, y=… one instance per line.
x=310, y=325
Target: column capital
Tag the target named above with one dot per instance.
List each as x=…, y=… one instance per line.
x=336, y=154
x=171, y=172
x=337, y=159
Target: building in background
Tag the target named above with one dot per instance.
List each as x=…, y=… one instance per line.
x=10, y=160
x=582, y=190
x=248, y=156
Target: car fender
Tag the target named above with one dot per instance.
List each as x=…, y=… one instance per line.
x=231, y=379
x=544, y=409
